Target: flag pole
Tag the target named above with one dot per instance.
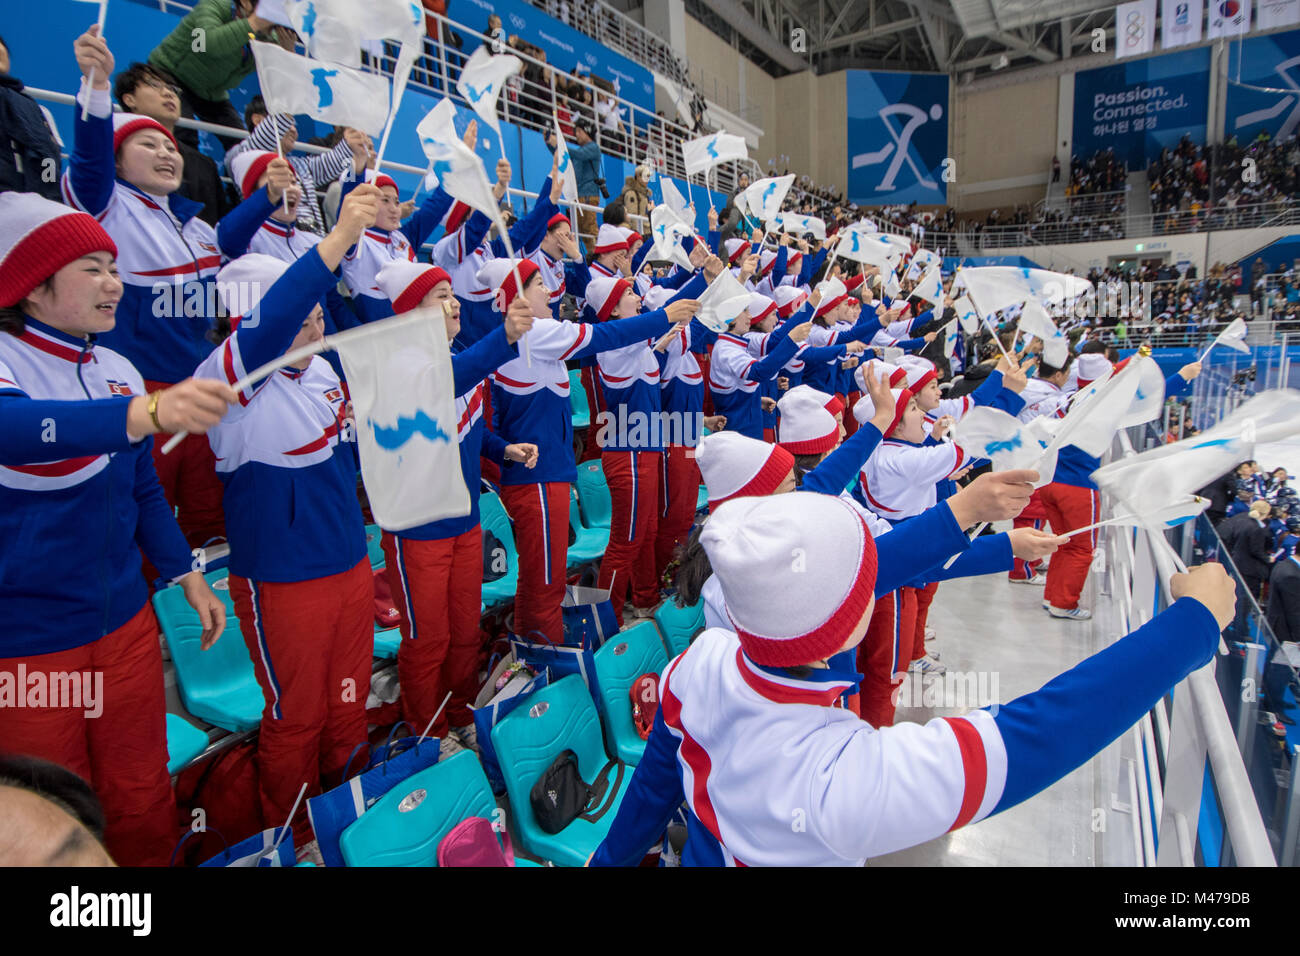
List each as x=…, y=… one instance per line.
x=519, y=286
x=1208, y=351
x=398, y=90
x=90, y=80
x=279, y=151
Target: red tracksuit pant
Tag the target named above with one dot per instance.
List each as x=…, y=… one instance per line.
x=119, y=744
x=629, y=562
x=1069, y=507
x=924, y=597
x=312, y=644
x=439, y=586
x=188, y=476
x=850, y=423
x=882, y=658
x=540, y=513
x=1034, y=516
x=679, y=491
x=595, y=405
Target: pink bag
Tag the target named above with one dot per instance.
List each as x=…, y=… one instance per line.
x=473, y=842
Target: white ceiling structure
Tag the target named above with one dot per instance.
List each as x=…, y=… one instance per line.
x=967, y=38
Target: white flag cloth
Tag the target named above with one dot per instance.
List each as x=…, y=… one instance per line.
x=1102, y=408
x=706, y=152
x=483, y=79
x=459, y=171
x=1149, y=396
x=399, y=377
x=793, y=222
x=1035, y=321
x=872, y=249
x=674, y=200
x=1145, y=482
x=966, y=315
x=1234, y=336
x=667, y=231
x=920, y=261
x=337, y=30
x=1227, y=18
x=570, y=189
x=994, y=288
x=1277, y=13
x=274, y=10
x=330, y=93
x=1180, y=22
x=722, y=301
x=930, y=288
x=1135, y=28
x=891, y=287
x=987, y=432
x=764, y=197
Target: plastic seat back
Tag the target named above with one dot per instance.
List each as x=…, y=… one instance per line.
x=589, y=544
x=375, y=546
x=578, y=400
x=217, y=685
x=184, y=743
x=558, y=718
x=405, y=825
x=493, y=517
x=679, y=624
x=619, y=662
x=593, y=495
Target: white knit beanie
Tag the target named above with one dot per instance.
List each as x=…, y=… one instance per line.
x=764, y=549
x=759, y=308
x=806, y=427
x=610, y=239
x=824, y=399
x=247, y=168
x=603, y=294
x=243, y=282
x=407, y=283
x=734, y=465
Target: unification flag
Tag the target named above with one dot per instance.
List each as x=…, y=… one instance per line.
x=706, y=152
x=459, y=171
x=327, y=92
x=764, y=197
x=482, y=80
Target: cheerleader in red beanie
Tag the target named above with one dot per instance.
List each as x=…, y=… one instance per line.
x=79, y=500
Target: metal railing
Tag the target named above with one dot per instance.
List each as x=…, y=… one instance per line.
x=1092, y=229
x=1164, y=757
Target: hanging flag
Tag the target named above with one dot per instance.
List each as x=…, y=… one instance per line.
x=1180, y=22
x=1035, y=321
x=707, y=151
x=1234, y=337
x=336, y=30
x=764, y=197
x=722, y=301
x=482, y=80
x=400, y=381
x=330, y=93
x=570, y=188
x=1135, y=28
x=459, y=170
x=1227, y=18
x=667, y=231
x=1277, y=13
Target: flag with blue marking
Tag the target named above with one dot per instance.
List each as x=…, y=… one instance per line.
x=765, y=196
x=483, y=79
x=705, y=152
x=331, y=93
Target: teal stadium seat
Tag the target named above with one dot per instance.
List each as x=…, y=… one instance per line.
x=387, y=640
x=558, y=718
x=217, y=685
x=593, y=495
x=578, y=400
x=619, y=662
x=702, y=499
x=679, y=624
x=184, y=743
x=375, y=546
x=493, y=517
x=388, y=835
x=589, y=544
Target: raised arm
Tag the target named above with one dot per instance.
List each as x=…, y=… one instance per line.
x=89, y=180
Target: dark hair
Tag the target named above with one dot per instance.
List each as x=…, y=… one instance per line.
x=56, y=784
x=1047, y=371
x=255, y=105
x=13, y=319
x=137, y=73
x=804, y=464
x=1093, y=347
x=693, y=569
x=614, y=214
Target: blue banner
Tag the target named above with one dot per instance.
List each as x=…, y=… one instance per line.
x=565, y=47
x=897, y=137
x=1263, y=87
x=1139, y=107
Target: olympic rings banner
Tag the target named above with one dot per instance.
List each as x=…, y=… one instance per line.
x=897, y=132
x=1263, y=86
x=1141, y=106
x=1135, y=28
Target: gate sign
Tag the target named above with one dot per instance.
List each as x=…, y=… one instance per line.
x=1139, y=107
x=897, y=137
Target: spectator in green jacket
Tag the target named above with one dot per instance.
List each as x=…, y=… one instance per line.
x=209, y=55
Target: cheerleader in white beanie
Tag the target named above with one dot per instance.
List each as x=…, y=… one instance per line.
x=79, y=501
x=748, y=736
